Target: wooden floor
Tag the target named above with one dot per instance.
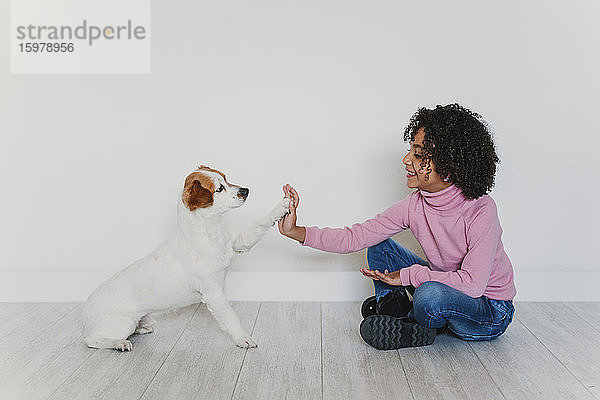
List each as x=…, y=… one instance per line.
x=306, y=351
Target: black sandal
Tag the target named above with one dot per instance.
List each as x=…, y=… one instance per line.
x=368, y=307
x=385, y=332
x=394, y=303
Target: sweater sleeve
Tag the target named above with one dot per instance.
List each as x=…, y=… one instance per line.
x=483, y=237
x=360, y=235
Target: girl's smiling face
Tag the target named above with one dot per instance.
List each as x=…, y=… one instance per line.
x=418, y=167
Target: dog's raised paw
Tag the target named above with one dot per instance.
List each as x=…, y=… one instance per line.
x=281, y=209
x=246, y=342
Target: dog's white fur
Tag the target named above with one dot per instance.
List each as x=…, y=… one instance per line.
x=189, y=267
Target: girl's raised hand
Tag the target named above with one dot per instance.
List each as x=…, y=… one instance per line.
x=290, y=192
x=287, y=225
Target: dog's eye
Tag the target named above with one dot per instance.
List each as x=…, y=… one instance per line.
x=220, y=189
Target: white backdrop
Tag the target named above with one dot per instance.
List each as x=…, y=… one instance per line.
x=316, y=94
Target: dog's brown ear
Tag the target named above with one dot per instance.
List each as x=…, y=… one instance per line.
x=195, y=195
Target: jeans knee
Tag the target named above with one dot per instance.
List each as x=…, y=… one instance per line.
x=429, y=299
x=377, y=251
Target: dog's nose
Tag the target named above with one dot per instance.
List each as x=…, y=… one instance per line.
x=243, y=192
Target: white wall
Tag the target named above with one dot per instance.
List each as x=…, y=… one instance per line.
x=314, y=93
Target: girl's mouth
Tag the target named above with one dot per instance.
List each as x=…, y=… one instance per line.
x=410, y=175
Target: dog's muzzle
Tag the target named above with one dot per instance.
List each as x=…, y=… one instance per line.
x=243, y=193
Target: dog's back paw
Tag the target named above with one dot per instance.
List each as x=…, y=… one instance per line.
x=123, y=345
x=245, y=342
x=105, y=343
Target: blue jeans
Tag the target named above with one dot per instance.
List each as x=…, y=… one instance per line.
x=435, y=304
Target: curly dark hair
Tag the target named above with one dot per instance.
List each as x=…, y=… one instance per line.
x=460, y=144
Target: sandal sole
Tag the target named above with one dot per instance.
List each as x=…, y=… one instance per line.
x=388, y=333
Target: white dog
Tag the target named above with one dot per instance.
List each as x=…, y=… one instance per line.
x=189, y=267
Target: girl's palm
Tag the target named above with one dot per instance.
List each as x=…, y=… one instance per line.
x=287, y=224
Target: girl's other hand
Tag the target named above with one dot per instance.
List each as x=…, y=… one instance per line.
x=391, y=278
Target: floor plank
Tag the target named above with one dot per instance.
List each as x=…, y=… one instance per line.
x=524, y=369
x=589, y=311
x=42, y=365
x=351, y=368
x=111, y=374
x=569, y=337
x=306, y=351
x=205, y=363
x=27, y=321
x=448, y=369
x=287, y=363
x=9, y=311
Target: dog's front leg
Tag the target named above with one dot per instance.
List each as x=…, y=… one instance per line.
x=228, y=320
x=246, y=240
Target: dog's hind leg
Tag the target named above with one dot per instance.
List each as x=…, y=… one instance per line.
x=106, y=343
x=109, y=331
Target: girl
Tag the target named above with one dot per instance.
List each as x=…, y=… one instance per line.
x=467, y=284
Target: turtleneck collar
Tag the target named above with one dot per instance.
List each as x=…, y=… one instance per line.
x=445, y=200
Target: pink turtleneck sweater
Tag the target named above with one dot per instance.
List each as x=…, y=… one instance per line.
x=461, y=238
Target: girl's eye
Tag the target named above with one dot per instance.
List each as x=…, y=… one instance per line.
x=221, y=188
x=418, y=155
